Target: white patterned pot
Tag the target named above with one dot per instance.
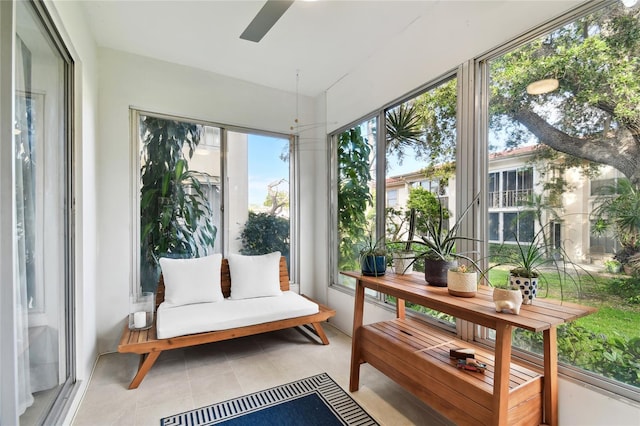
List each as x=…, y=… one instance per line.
x=528, y=287
x=403, y=262
x=462, y=284
x=507, y=300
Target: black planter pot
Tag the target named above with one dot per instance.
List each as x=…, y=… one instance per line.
x=373, y=266
x=435, y=271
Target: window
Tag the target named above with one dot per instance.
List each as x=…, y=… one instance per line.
x=549, y=146
x=418, y=162
x=516, y=189
x=184, y=185
x=392, y=198
x=356, y=184
x=541, y=155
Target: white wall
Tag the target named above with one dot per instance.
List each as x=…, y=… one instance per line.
x=130, y=80
x=480, y=27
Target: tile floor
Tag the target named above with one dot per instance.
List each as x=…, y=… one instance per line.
x=184, y=379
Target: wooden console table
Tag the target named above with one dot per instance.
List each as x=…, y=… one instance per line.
x=416, y=355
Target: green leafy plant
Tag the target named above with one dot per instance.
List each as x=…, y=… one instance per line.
x=354, y=196
x=440, y=240
x=373, y=247
x=536, y=259
x=619, y=210
x=176, y=219
x=373, y=256
x=265, y=233
x=612, y=266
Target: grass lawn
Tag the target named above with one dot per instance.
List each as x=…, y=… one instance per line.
x=616, y=316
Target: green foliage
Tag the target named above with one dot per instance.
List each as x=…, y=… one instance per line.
x=427, y=208
x=404, y=129
x=425, y=125
x=611, y=356
x=626, y=288
x=372, y=247
x=438, y=108
x=612, y=266
x=176, y=218
x=440, y=239
x=619, y=209
x=538, y=258
x=354, y=196
x=265, y=233
x=593, y=115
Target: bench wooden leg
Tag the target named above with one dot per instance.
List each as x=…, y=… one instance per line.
x=320, y=332
x=146, y=362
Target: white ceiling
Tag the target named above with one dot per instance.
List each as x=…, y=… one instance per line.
x=319, y=41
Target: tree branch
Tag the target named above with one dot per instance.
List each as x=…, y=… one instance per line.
x=621, y=153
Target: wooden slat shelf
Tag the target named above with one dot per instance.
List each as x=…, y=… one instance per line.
x=421, y=354
x=417, y=356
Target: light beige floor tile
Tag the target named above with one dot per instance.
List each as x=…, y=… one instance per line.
x=195, y=377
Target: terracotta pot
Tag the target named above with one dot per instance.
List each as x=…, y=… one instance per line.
x=507, y=299
x=462, y=284
x=528, y=287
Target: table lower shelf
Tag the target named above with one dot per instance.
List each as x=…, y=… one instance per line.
x=417, y=357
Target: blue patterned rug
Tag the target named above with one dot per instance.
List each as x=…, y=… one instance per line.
x=314, y=401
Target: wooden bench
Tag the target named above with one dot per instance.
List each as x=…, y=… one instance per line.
x=145, y=342
x=416, y=355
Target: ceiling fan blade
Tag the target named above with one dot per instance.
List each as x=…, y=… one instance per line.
x=265, y=19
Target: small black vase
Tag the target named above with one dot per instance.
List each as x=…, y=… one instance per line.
x=435, y=271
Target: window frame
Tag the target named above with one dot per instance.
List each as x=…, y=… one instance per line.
x=380, y=299
x=294, y=188
x=596, y=382
x=472, y=139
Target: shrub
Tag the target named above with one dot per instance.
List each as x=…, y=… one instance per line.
x=614, y=357
x=265, y=233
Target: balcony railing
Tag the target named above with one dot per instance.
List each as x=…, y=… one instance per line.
x=511, y=198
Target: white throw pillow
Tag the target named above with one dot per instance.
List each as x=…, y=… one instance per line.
x=254, y=276
x=188, y=281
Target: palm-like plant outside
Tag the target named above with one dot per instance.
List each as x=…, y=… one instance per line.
x=619, y=209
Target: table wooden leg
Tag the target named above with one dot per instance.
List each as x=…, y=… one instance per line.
x=550, y=337
x=354, y=378
x=400, y=308
x=502, y=372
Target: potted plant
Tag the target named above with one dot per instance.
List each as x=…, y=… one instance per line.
x=403, y=259
x=528, y=260
x=462, y=281
x=373, y=257
x=507, y=297
x=440, y=241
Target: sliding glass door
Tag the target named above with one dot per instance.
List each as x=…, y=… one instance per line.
x=42, y=336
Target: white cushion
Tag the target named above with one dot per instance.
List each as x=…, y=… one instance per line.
x=254, y=276
x=203, y=317
x=188, y=281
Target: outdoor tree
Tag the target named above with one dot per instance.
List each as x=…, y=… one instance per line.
x=591, y=119
x=276, y=199
x=176, y=218
x=594, y=115
x=426, y=205
x=354, y=196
